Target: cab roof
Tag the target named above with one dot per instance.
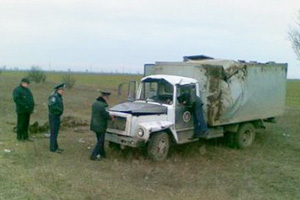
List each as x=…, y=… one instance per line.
x=174, y=80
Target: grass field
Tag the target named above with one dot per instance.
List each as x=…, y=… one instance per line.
x=206, y=170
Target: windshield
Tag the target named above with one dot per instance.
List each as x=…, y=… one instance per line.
x=159, y=91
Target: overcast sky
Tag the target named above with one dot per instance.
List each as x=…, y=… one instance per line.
x=121, y=35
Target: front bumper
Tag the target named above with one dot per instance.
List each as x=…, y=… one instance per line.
x=124, y=140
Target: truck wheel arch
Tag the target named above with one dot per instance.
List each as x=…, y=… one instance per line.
x=242, y=135
x=162, y=126
x=168, y=131
x=233, y=128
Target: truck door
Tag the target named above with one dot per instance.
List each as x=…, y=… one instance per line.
x=131, y=94
x=183, y=114
x=131, y=91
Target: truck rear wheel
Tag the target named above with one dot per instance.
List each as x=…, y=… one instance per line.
x=245, y=136
x=158, y=146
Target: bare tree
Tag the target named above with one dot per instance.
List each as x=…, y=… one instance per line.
x=36, y=74
x=69, y=80
x=294, y=36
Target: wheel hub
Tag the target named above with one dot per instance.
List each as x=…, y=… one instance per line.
x=246, y=137
x=161, y=149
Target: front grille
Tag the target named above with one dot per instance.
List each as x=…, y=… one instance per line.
x=119, y=123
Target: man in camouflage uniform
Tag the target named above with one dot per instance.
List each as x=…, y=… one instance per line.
x=24, y=107
x=100, y=117
x=56, y=109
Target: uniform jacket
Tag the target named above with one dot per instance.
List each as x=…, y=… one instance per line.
x=199, y=119
x=55, y=104
x=24, y=100
x=100, y=116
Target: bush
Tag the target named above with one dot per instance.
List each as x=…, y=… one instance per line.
x=69, y=80
x=37, y=75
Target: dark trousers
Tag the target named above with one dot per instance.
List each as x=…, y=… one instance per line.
x=99, y=147
x=22, y=125
x=54, y=121
x=200, y=126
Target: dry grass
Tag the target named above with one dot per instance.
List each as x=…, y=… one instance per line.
x=208, y=170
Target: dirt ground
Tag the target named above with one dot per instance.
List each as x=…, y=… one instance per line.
x=203, y=170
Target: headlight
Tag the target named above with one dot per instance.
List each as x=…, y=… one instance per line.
x=141, y=132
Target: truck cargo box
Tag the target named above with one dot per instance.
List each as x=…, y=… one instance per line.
x=233, y=91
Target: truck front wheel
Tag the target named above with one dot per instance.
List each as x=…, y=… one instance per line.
x=158, y=146
x=245, y=135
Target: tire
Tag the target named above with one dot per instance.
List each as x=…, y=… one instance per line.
x=158, y=146
x=245, y=136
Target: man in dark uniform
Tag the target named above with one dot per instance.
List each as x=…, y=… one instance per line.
x=200, y=125
x=100, y=117
x=24, y=107
x=56, y=109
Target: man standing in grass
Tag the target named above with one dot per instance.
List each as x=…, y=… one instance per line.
x=100, y=117
x=56, y=109
x=24, y=107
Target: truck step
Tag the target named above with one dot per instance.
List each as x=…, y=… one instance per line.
x=213, y=133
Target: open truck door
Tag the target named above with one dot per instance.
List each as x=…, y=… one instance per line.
x=184, y=114
x=132, y=91
x=129, y=93
x=132, y=86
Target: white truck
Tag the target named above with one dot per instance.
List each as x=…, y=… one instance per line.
x=238, y=97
